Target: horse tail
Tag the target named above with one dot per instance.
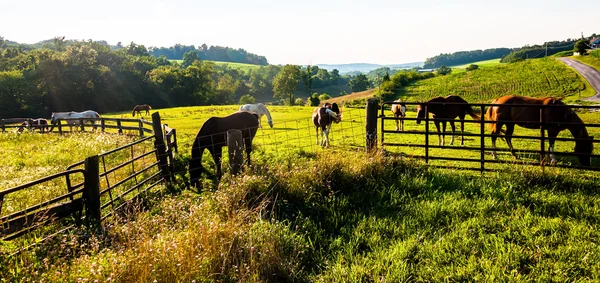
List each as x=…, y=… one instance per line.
x=149, y=107
x=490, y=115
x=133, y=112
x=196, y=168
x=472, y=113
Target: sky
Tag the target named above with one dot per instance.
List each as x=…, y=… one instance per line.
x=308, y=31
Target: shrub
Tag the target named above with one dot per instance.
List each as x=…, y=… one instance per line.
x=595, y=53
x=472, y=67
x=313, y=100
x=247, y=99
x=444, y=70
x=324, y=96
x=564, y=54
x=299, y=101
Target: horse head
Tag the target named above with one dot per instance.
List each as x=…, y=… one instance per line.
x=52, y=119
x=584, y=147
x=420, y=113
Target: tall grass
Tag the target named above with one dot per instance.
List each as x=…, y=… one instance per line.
x=345, y=217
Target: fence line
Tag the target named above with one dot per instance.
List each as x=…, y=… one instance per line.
x=70, y=125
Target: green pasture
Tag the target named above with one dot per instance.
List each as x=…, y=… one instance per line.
x=481, y=64
x=233, y=65
x=535, y=78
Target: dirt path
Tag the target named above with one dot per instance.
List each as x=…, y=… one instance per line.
x=590, y=74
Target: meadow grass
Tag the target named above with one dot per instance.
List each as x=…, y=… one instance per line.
x=481, y=64
x=233, y=65
x=346, y=217
x=591, y=61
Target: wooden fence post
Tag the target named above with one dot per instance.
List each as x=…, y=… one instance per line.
x=119, y=126
x=235, y=145
x=91, y=190
x=2, y=125
x=371, y=125
x=82, y=122
x=141, y=128
x=102, y=125
x=161, y=149
x=60, y=126
x=29, y=124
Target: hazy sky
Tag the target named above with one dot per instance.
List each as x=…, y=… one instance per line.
x=307, y=31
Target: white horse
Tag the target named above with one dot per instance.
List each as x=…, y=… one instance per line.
x=260, y=110
x=71, y=117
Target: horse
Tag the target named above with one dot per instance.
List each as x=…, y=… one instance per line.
x=399, y=111
x=70, y=116
x=557, y=117
x=259, y=109
x=442, y=112
x=322, y=118
x=40, y=123
x=213, y=136
x=141, y=107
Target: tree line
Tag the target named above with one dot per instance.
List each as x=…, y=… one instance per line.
x=212, y=53
x=465, y=57
x=77, y=76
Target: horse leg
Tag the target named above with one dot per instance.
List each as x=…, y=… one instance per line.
x=402, y=122
x=510, y=129
x=248, y=145
x=326, y=132
x=317, y=134
x=453, y=129
x=552, y=139
x=462, y=130
x=437, y=126
x=217, y=154
x=396, y=116
x=495, y=134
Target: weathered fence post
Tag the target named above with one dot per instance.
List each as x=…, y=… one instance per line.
x=60, y=126
x=371, y=124
x=119, y=126
x=427, y=135
x=482, y=141
x=141, y=128
x=102, y=125
x=161, y=149
x=29, y=124
x=542, y=135
x=91, y=190
x=2, y=125
x=235, y=146
x=82, y=122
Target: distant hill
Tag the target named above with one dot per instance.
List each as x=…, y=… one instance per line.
x=365, y=67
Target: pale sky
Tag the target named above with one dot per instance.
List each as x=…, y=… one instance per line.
x=307, y=31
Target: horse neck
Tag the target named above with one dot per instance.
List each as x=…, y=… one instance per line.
x=576, y=126
x=264, y=108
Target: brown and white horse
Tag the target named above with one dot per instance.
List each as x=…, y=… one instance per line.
x=322, y=118
x=140, y=108
x=40, y=123
x=557, y=117
x=213, y=136
x=399, y=111
x=442, y=112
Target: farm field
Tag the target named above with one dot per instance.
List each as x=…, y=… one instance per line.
x=536, y=78
x=239, y=66
x=481, y=64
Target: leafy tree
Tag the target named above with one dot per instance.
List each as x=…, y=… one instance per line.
x=335, y=77
x=189, y=58
x=307, y=78
x=472, y=67
x=314, y=100
x=247, y=99
x=285, y=82
x=444, y=70
x=359, y=83
x=324, y=96
x=581, y=46
x=298, y=101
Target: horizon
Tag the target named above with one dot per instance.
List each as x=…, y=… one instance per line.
x=378, y=32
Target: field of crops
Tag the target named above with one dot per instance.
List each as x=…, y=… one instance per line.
x=536, y=78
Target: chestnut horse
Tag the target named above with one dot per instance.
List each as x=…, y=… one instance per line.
x=441, y=113
x=213, y=136
x=557, y=117
x=399, y=111
x=322, y=118
x=140, y=108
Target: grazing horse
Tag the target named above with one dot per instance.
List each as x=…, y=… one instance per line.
x=441, y=113
x=259, y=109
x=39, y=123
x=140, y=108
x=70, y=116
x=322, y=118
x=399, y=111
x=557, y=117
x=213, y=136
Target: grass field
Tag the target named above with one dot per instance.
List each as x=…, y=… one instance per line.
x=239, y=66
x=481, y=64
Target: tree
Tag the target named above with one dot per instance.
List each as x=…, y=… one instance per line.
x=324, y=96
x=189, y=58
x=443, y=70
x=581, y=46
x=247, y=99
x=314, y=100
x=359, y=83
x=307, y=78
x=285, y=82
x=472, y=67
x=299, y=101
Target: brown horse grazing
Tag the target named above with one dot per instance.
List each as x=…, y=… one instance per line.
x=399, y=111
x=444, y=112
x=213, y=136
x=557, y=118
x=322, y=118
x=140, y=108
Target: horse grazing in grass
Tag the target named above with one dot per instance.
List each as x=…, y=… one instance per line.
x=443, y=112
x=322, y=118
x=399, y=111
x=87, y=116
x=213, y=136
x=40, y=123
x=557, y=117
x=140, y=108
x=259, y=109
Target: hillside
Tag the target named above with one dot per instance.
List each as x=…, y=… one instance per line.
x=365, y=67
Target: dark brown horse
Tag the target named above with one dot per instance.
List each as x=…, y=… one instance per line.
x=399, y=111
x=557, y=117
x=213, y=136
x=140, y=108
x=443, y=112
x=322, y=118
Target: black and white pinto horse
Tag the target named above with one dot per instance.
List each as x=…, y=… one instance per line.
x=213, y=136
x=322, y=118
x=40, y=123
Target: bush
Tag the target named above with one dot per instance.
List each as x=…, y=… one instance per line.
x=313, y=100
x=564, y=54
x=299, y=101
x=472, y=67
x=324, y=96
x=595, y=53
x=247, y=99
